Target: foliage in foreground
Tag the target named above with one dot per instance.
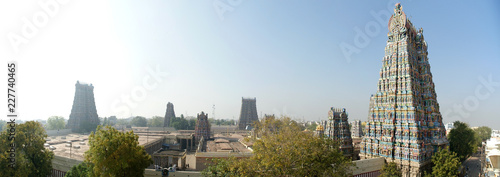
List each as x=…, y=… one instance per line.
x=284, y=150
x=462, y=140
x=83, y=169
x=445, y=163
x=31, y=157
x=391, y=169
x=115, y=153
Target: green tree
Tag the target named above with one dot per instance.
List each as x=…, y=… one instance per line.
x=139, y=121
x=31, y=157
x=122, y=122
x=155, y=121
x=112, y=120
x=483, y=132
x=445, y=163
x=180, y=123
x=462, y=140
x=391, y=169
x=83, y=169
x=224, y=167
x=312, y=127
x=192, y=124
x=2, y=125
x=285, y=150
x=115, y=153
x=56, y=123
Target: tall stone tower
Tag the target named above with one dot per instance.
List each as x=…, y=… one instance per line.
x=337, y=128
x=202, y=128
x=83, y=117
x=405, y=125
x=169, y=114
x=248, y=113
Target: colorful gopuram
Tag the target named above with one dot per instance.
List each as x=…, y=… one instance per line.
x=405, y=125
x=337, y=128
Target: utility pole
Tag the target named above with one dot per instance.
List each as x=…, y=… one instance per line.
x=70, y=147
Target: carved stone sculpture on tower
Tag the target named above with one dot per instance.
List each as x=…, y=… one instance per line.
x=405, y=125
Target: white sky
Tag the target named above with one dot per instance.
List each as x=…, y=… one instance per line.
x=284, y=54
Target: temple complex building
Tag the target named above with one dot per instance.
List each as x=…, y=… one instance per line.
x=83, y=117
x=320, y=131
x=248, y=114
x=405, y=125
x=202, y=128
x=356, y=129
x=337, y=128
x=169, y=115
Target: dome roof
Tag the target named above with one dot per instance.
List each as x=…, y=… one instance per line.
x=319, y=128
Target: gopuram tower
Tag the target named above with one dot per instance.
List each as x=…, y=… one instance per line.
x=337, y=128
x=405, y=125
x=83, y=117
x=248, y=113
x=202, y=129
x=169, y=115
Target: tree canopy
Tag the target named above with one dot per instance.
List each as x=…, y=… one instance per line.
x=483, y=132
x=155, y=121
x=312, y=127
x=139, y=121
x=122, y=122
x=180, y=123
x=114, y=153
x=2, y=125
x=285, y=150
x=462, y=140
x=391, y=169
x=31, y=157
x=56, y=123
x=445, y=163
x=83, y=169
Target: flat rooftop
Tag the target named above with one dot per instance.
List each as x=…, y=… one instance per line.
x=223, y=143
x=79, y=144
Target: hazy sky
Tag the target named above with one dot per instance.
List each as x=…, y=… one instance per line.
x=288, y=54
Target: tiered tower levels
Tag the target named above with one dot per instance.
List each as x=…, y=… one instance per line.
x=83, y=117
x=202, y=128
x=248, y=114
x=337, y=128
x=169, y=115
x=405, y=125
